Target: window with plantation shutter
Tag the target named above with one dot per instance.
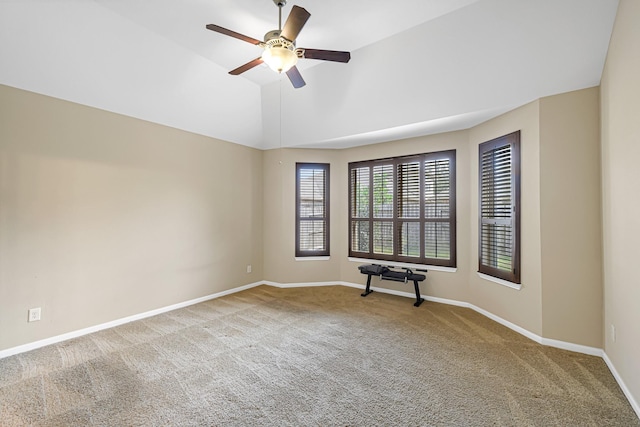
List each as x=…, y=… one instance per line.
x=312, y=209
x=403, y=209
x=499, y=210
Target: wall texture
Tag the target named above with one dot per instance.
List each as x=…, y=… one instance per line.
x=104, y=216
x=570, y=217
x=620, y=104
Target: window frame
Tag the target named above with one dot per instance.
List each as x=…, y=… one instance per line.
x=325, y=167
x=396, y=220
x=512, y=275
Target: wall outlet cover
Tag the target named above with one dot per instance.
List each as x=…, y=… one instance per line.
x=34, y=314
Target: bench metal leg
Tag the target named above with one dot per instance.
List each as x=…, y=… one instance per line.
x=367, y=290
x=419, y=299
x=416, y=286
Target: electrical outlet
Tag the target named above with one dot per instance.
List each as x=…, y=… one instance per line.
x=613, y=333
x=34, y=314
x=248, y=268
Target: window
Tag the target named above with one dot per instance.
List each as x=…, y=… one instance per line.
x=312, y=209
x=403, y=209
x=499, y=210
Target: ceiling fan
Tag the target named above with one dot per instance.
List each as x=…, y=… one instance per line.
x=280, y=51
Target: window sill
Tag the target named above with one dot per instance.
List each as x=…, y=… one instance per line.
x=312, y=258
x=406, y=265
x=502, y=282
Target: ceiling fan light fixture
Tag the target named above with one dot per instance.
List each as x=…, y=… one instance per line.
x=279, y=59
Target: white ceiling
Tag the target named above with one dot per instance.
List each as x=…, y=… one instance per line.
x=418, y=66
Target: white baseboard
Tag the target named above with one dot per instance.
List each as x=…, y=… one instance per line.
x=593, y=351
x=632, y=401
x=299, y=285
x=544, y=341
x=578, y=348
x=74, y=334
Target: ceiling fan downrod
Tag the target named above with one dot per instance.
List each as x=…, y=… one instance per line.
x=280, y=4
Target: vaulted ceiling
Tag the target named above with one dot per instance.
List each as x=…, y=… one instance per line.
x=418, y=66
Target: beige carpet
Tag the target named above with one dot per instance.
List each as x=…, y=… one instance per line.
x=309, y=357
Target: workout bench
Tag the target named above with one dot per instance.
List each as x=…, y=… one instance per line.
x=387, y=273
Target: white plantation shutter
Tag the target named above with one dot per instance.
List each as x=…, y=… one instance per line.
x=499, y=195
x=312, y=209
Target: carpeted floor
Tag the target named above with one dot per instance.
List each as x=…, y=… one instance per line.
x=309, y=357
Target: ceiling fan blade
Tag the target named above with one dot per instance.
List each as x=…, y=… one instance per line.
x=327, y=55
x=221, y=30
x=296, y=78
x=296, y=20
x=249, y=65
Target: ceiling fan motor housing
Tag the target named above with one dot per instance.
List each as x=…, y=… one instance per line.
x=274, y=39
x=271, y=35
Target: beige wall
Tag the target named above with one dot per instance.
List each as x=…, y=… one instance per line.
x=522, y=307
x=570, y=217
x=279, y=183
x=104, y=216
x=620, y=105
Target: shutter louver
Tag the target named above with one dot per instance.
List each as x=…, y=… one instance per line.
x=496, y=208
x=360, y=192
x=409, y=208
x=383, y=209
x=360, y=206
x=383, y=191
x=437, y=190
x=383, y=237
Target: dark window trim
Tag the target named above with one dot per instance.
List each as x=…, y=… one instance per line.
x=451, y=220
x=512, y=139
x=307, y=253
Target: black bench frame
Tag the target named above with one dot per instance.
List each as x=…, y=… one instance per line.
x=386, y=273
